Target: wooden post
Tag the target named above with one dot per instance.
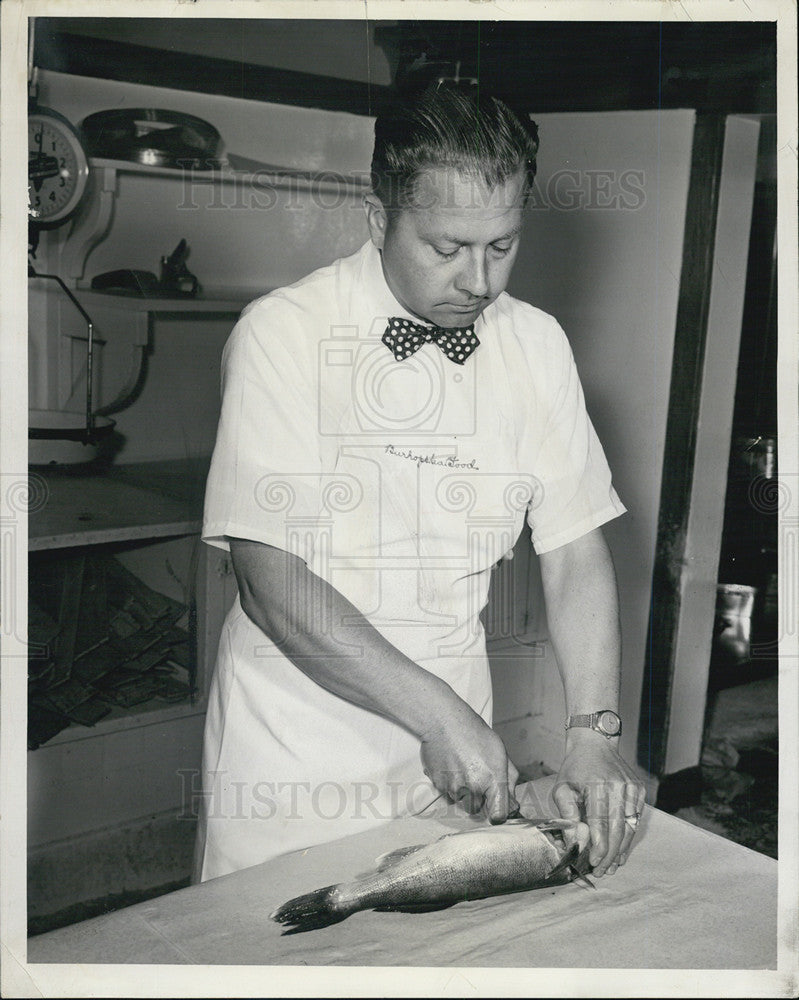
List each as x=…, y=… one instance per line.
x=680, y=445
x=699, y=430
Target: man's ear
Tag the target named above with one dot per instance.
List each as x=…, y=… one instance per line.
x=376, y=219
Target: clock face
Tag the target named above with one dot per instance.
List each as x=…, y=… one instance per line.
x=57, y=168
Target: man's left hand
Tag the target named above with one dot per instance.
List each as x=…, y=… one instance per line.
x=595, y=784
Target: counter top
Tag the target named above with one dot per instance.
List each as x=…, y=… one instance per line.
x=686, y=899
x=119, y=503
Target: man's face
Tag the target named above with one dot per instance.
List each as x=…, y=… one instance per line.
x=450, y=254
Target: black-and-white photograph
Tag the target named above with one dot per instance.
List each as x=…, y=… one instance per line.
x=398, y=499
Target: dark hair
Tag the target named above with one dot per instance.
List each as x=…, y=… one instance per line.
x=448, y=127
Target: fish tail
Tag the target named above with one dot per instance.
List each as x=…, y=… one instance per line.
x=309, y=912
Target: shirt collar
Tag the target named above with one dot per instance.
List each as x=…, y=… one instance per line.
x=382, y=300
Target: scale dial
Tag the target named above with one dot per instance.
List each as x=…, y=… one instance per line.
x=58, y=169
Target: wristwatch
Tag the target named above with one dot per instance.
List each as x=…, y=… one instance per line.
x=605, y=722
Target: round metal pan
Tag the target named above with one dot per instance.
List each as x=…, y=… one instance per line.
x=152, y=136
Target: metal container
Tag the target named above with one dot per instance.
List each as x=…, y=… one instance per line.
x=59, y=437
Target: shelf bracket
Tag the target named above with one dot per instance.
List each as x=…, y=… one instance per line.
x=92, y=226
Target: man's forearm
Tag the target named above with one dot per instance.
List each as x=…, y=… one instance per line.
x=329, y=639
x=583, y=616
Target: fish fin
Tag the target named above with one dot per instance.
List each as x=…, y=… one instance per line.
x=547, y=823
x=581, y=865
x=583, y=881
x=566, y=864
x=391, y=858
x=413, y=907
x=544, y=824
x=309, y=912
x=572, y=866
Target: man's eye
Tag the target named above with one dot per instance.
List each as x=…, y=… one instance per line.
x=500, y=249
x=445, y=254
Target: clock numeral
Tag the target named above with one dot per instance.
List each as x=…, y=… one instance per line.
x=62, y=182
x=63, y=162
x=37, y=136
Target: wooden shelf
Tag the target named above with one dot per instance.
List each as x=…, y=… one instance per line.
x=148, y=713
x=91, y=299
x=266, y=175
x=92, y=225
x=121, y=503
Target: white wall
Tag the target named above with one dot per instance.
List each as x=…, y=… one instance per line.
x=602, y=252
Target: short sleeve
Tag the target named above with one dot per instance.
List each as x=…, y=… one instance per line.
x=263, y=482
x=574, y=492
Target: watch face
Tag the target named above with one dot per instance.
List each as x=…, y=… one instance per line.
x=610, y=723
x=57, y=168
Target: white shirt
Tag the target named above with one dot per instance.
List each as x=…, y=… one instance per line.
x=401, y=484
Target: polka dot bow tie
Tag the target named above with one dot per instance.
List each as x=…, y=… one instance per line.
x=403, y=338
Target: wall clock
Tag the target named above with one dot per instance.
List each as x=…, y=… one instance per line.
x=58, y=168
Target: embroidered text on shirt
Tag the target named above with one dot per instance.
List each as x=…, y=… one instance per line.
x=448, y=462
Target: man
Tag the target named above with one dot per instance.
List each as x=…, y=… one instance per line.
x=387, y=424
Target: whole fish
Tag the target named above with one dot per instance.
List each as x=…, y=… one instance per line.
x=515, y=856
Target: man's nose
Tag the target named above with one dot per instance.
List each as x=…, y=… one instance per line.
x=474, y=276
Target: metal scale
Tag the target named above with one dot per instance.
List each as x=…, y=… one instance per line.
x=58, y=174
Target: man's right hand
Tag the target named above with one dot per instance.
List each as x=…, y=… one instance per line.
x=465, y=759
